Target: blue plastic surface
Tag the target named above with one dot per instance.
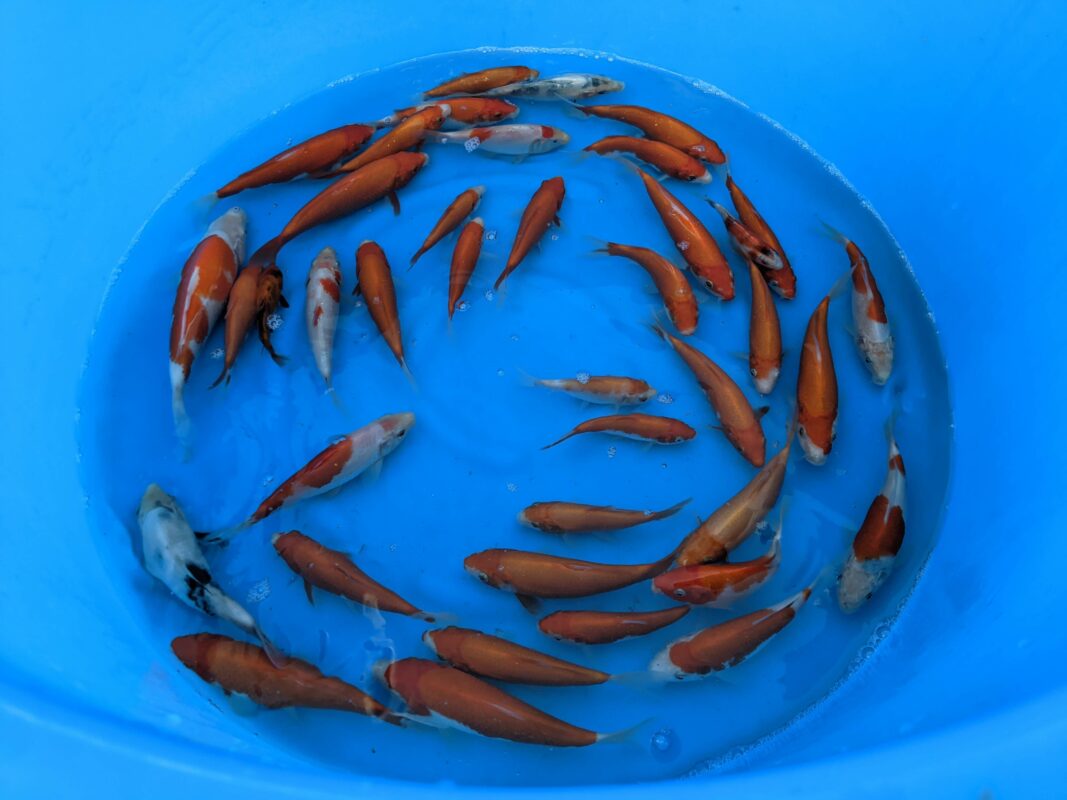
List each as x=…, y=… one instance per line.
x=962, y=168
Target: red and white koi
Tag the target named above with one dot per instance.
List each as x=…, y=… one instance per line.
x=605, y=627
x=747, y=243
x=817, y=389
x=874, y=550
x=465, y=112
x=311, y=156
x=609, y=390
x=492, y=657
x=764, y=334
x=445, y=697
x=783, y=281
x=541, y=211
x=643, y=427
x=505, y=140
x=206, y=280
x=458, y=210
x=322, y=307
x=482, y=81
x=464, y=259
x=727, y=644
x=341, y=462
x=408, y=133
x=668, y=160
x=670, y=282
x=568, y=86
x=555, y=516
x=336, y=573
x=873, y=337
x=661, y=127
x=374, y=280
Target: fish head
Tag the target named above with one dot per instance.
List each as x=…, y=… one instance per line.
x=483, y=566
x=394, y=429
x=674, y=585
x=551, y=139
x=646, y=395
x=765, y=383
x=195, y=651
x=155, y=498
x=816, y=437
x=231, y=227
x=878, y=356
x=602, y=84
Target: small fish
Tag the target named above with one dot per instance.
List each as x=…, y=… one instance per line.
x=727, y=644
x=465, y=111
x=341, y=462
x=570, y=86
x=313, y=155
x=446, y=697
x=268, y=297
x=464, y=260
x=643, y=427
x=764, y=334
x=542, y=211
x=874, y=550
x=505, y=140
x=668, y=160
x=322, y=308
x=670, y=282
x=240, y=668
x=458, y=210
x=817, y=389
x=336, y=573
x=374, y=280
x=496, y=658
x=482, y=81
x=696, y=245
x=747, y=243
x=783, y=281
x=724, y=530
x=540, y=575
x=173, y=556
x=207, y=277
x=719, y=584
x=242, y=306
x=408, y=133
x=662, y=128
x=558, y=517
x=739, y=421
x=609, y=390
x=605, y=627
x=346, y=195
x=873, y=337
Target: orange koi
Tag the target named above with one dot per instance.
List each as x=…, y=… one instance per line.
x=464, y=259
x=242, y=306
x=482, y=81
x=784, y=280
x=719, y=584
x=408, y=133
x=817, y=389
x=542, y=211
x=559, y=517
x=764, y=335
x=668, y=160
x=747, y=243
x=643, y=427
x=374, y=280
x=671, y=284
x=268, y=297
x=661, y=127
x=601, y=389
x=465, y=111
x=605, y=627
x=458, y=210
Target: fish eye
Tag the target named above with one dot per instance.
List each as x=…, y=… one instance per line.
x=753, y=372
x=709, y=285
x=401, y=434
x=679, y=592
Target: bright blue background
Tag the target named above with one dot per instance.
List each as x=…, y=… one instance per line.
x=950, y=120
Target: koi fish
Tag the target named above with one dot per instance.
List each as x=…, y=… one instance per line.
x=374, y=280
x=505, y=140
x=348, y=194
x=341, y=462
x=536, y=575
x=482, y=81
x=609, y=390
x=784, y=280
x=750, y=246
x=313, y=155
x=458, y=210
x=336, y=573
x=764, y=334
x=874, y=550
x=559, y=517
x=446, y=697
x=408, y=133
x=719, y=585
x=492, y=657
x=464, y=259
x=668, y=160
x=727, y=644
x=643, y=427
x=739, y=421
x=671, y=284
x=205, y=284
x=542, y=211
x=322, y=308
x=817, y=389
x=570, y=86
x=696, y=245
x=242, y=306
x=724, y=530
x=662, y=128
x=173, y=557
x=465, y=111
x=873, y=337
x=605, y=627
x=245, y=669
x=268, y=297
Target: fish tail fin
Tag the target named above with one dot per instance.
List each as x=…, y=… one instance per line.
x=840, y=284
x=276, y=656
x=670, y=512
x=723, y=211
x=601, y=247
x=638, y=679
x=408, y=374
x=437, y=617
x=526, y=379
x=830, y=231
x=336, y=398
x=182, y=424
x=418, y=254
x=560, y=440
x=656, y=326
x=572, y=108
x=625, y=735
x=203, y=205
x=223, y=376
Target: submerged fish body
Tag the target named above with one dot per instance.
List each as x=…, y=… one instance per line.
x=506, y=140
x=541, y=212
x=458, y=210
x=606, y=627
x=668, y=160
x=817, y=389
x=268, y=298
x=764, y=335
x=407, y=133
x=482, y=81
x=602, y=389
x=873, y=336
x=464, y=259
x=242, y=307
x=719, y=584
x=559, y=517
x=643, y=427
x=465, y=111
x=746, y=242
x=663, y=128
x=374, y=280
x=783, y=281
x=322, y=309
x=678, y=299
x=570, y=86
